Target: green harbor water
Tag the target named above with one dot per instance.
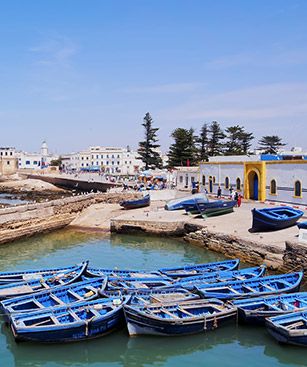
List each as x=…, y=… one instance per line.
x=229, y=346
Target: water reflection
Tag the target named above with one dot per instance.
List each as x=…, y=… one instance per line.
x=120, y=350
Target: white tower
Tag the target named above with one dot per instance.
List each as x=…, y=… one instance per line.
x=44, y=149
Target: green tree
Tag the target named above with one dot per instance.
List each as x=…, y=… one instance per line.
x=148, y=148
x=56, y=162
x=203, y=141
x=215, y=145
x=238, y=141
x=270, y=144
x=183, y=151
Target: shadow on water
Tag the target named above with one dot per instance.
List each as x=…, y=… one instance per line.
x=227, y=346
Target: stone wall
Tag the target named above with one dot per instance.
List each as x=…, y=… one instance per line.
x=291, y=257
x=27, y=220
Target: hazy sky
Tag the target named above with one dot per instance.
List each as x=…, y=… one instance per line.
x=85, y=72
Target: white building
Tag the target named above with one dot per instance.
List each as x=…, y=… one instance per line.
x=8, y=161
x=35, y=160
x=280, y=178
x=111, y=160
x=185, y=176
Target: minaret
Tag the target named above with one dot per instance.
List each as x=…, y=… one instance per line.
x=44, y=149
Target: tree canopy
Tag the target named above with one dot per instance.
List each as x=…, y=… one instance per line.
x=270, y=144
x=183, y=151
x=148, y=147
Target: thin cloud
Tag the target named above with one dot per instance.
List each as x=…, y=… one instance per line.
x=54, y=51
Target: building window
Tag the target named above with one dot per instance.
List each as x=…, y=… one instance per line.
x=11, y=153
x=118, y=163
x=226, y=183
x=101, y=156
x=213, y=179
x=180, y=179
x=192, y=179
x=107, y=162
x=27, y=162
x=298, y=189
x=238, y=183
x=35, y=163
x=8, y=162
x=273, y=187
x=210, y=184
x=204, y=180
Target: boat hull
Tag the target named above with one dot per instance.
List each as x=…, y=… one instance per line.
x=284, y=336
x=273, y=219
x=138, y=325
x=134, y=204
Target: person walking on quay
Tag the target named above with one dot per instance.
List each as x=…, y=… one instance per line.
x=231, y=191
x=236, y=197
x=239, y=200
x=219, y=192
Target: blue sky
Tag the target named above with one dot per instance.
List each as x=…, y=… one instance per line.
x=80, y=73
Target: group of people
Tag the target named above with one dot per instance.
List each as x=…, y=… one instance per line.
x=234, y=195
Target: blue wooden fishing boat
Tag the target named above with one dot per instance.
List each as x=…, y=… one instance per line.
x=118, y=273
x=60, y=296
x=129, y=285
x=178, y=318
x=256, y=310
x=219, y=277
x=141, y=297
x=199, y=269
x=222, y=207
x=269, y=219
x=289, y=329
x=211, y=208
x=9, y=290
x=35, y=274
x=84, y=320
x=137, y=203
x=302, y=225
x=273, y=284
x=177, y=204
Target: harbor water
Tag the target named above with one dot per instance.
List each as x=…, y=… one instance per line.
x=233, y=345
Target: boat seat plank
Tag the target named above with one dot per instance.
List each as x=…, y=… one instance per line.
x=55, y=298
x=184, y=311
x=73, y=293
x=169, y=313
x=296, y=324
x=74, y=315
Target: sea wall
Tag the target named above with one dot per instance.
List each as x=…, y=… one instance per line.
x=27, y=220
x=290, y=257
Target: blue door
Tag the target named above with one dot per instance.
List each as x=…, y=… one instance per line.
x=255, y=186
x=210, y=185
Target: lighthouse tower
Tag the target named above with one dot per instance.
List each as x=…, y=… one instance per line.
x=44, y=149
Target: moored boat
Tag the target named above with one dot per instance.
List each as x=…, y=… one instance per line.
x=199, y=269
x=9, y=290
x=273, y=284
x=302, y=225
x=137, y=203
x=220, y=208
x=84, y=320
x=143, y=297
x=178, y=318
x=269, y=219
x=177, y=204
x=118, y=273
x=130, y=285
x=289, y=329
x=256, y=310
x=219, y=277
x=61, y=296
x=33, y=274
x=196, y=207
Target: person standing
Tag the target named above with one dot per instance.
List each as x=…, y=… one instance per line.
x=219, y=192
x=239, y=200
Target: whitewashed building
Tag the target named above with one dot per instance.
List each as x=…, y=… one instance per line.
x=35, y=161
x=110, y=160
x=280, y=178
x=185, y=176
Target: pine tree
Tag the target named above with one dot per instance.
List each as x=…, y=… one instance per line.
x=183, y=151
x=238, y=140
x=203, y=143
x=147, y=148
x=270, y=144
x=215, y=146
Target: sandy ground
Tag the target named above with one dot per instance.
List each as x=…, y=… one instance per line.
x=237, y=223
x=29, y=185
